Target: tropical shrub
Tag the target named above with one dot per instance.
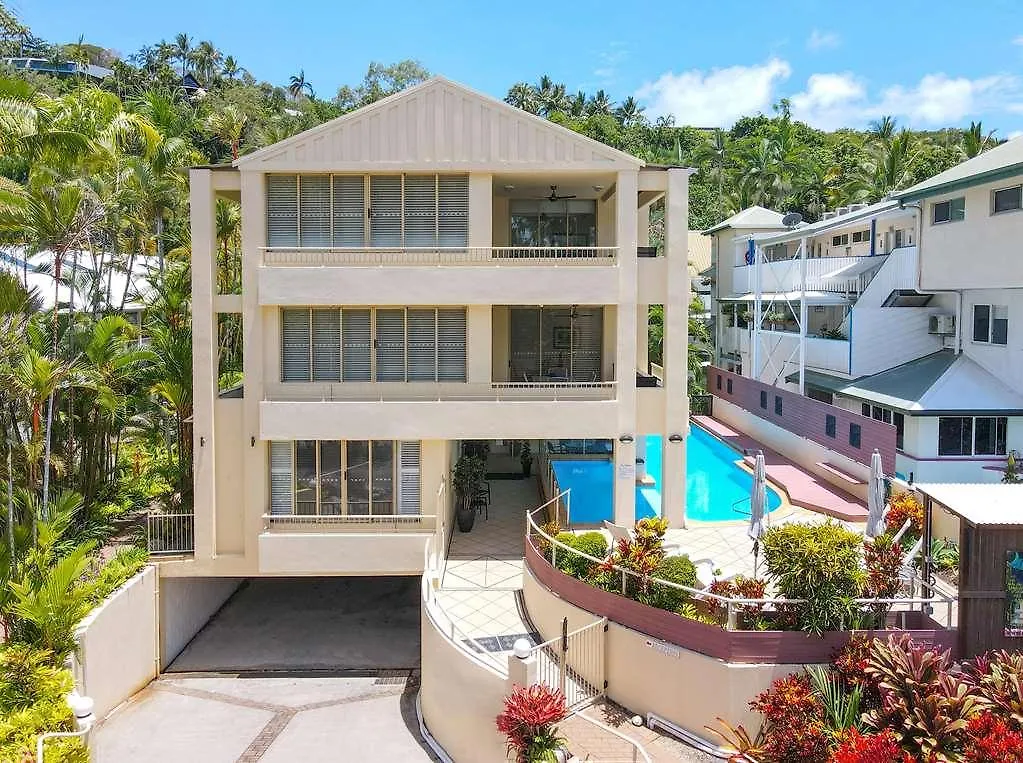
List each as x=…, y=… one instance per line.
x=793, y=728
x=528, y=723
x=32, y=702
x=945, y=555
x=870, y=748
x=674, y=569
x=851, y=666
x=999, y=676
x=819, y=564
x=117, y=570
x=990, y=738
x=902, y=507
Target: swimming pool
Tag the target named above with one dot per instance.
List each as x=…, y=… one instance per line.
x=714, y=484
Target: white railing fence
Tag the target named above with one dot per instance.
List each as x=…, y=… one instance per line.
x=395, y=522
x=287, y=392
x=170, y=533
x=466, y=255
x=930, y=597
x=574, y=663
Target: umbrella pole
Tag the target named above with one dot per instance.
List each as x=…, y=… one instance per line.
x=756, y=551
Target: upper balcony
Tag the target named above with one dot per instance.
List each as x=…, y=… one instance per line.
x=486, y=256
x=844, y=275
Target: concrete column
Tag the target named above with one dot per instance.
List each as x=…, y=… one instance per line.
x=254, y=318
x=479, y=344
x=481, y=210
x=202, y=201
x=521, y=672
x=626, y=230
x=676, y=341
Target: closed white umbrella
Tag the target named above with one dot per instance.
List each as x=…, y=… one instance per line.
x=875, y=498
x=757, y=505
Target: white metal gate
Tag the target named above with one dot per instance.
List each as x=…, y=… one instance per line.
x=574, y=663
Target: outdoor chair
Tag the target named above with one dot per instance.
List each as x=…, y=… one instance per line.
x=618, y=533
x=481, y=505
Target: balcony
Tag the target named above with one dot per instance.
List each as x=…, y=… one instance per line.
x=821, y=354
x=844, y=275
x=497, y=256
x=524, y=410
x=464, y=275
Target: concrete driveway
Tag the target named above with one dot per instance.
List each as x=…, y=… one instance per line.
x=272, y=720
x=311, y=624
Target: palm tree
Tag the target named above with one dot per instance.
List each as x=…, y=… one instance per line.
x=716, y=150
x=600, y=104
x=523, y=96
x=630, y=113
x=975, y=142
x=888, y=168
x=883, y=129
x=298, y=85
x=182, y=50
x=228, y=124
x=206, y=59
x=230, y=67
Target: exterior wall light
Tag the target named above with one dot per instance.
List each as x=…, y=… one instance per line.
x=675, y=438
x=252, y=441
x=625, y=438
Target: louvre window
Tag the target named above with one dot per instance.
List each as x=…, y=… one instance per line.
x=1007, y=199
x=356, y=345
x=349, y=210
x=295, y=345
x=357, y=477
x=385, y=211
x=281, y=210
x=829, y=425
x=281, y=490
x=763, y=399
x=453, y=210
x=855, y=435
x=314, y=216
x=420, y=210
x=949, y=211
x=363, y=344
x=326, y=360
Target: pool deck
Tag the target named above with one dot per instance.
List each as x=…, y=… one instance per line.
x=803, y=488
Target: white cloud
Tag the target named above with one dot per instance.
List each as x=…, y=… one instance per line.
x=939, y=100
x=830, y=101
x=819, y=40
x=717, y=97
x=1017, y=40
x=609, y=62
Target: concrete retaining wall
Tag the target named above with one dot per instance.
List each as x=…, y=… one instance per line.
x=186, y=605
x=117, y=642
x=460, y=699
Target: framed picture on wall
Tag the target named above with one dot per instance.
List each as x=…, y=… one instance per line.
x=562, y=337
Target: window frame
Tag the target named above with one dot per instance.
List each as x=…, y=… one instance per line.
x=951, y=218
x=993, y=312
x=994, y=193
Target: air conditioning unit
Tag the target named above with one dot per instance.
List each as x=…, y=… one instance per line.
x=943, y=325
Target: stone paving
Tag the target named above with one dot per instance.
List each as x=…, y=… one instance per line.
x=240, y=719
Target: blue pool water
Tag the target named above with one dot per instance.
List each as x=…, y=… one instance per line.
x=714, y=484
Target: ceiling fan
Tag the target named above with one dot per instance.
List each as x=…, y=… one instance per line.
x=555, y=197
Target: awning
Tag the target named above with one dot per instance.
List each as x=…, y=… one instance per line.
x=818, y=380
x=856, y=268
x=989, y=504
x=812, y=297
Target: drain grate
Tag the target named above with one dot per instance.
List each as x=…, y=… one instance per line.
x=391, y=678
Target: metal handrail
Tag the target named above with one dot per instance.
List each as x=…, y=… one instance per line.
x=416, y=392
x=308, y=256
x=397, y=520
x=732, y=606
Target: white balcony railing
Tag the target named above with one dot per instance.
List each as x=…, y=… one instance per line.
x=350, y=522
x=785, y=275
x=415, y=256
x=440, y=392
x=822, y=354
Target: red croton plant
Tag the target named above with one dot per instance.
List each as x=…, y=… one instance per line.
x=530, y=713
x=891, y=700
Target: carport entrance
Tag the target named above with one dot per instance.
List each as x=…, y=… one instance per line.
x=296, y=624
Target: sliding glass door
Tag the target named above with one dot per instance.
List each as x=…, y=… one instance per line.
x=552, y=344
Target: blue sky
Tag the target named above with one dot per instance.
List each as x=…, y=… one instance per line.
x=930, y=64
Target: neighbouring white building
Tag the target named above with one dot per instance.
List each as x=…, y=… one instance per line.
x=435, y=267
x=901, y=310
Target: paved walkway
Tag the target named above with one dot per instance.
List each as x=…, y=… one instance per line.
x=804, y=489
x=482, y=575
x=229, y=719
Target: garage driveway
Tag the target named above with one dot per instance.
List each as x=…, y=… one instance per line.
x=311, y=624
x=271, y=720
x=289, y=669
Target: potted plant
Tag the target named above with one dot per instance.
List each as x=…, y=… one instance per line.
x=466, y=479
x=526, y=458
x=528, y=721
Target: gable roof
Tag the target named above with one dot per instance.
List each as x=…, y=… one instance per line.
x=941, y=382
x=437, y=123
x=751, y=217
x=1001, y=161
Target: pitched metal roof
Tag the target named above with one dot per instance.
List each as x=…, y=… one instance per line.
x=752, y=218
x=812, y=297
x=839, y=221
x=936, y=384
x=990, y=504
x=1006, y=159
x=821, y=381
